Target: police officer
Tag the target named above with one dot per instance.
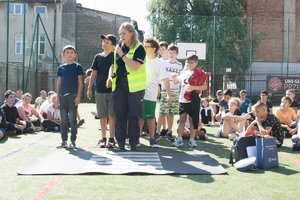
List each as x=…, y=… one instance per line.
x=128, y=85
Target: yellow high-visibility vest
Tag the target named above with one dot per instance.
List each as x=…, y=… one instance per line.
x=136, y=78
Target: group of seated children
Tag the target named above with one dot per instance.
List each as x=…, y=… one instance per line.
x=237, y=118
x=20, y=116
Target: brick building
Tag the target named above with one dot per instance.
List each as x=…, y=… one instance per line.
x=90, y=25
x=32, y=65
x=277, y=55
x=279, y=23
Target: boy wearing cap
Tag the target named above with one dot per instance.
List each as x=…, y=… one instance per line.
x=103, y=95
x=69, y=87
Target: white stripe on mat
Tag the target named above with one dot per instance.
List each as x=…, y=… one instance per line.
x=125, y=162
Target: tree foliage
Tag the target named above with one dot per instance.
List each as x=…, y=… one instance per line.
x=221, y=24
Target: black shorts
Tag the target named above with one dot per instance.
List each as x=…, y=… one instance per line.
x=185, y=108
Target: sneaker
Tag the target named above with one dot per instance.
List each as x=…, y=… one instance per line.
x=156, y=136
x=169, y=137
x=218, y=134
x=80, y=123
x=133, y=148
x=121, y=146
x=103, y=143
x=153, y=143
x=163, y=132
x=296, y=146
x=143, y=134
x=63, y=145
x=72, y=146
x=49, y=129
x=178, y=142
x=138, y=143
x=11, y=132
x=37, y=129
x=111, y=143
x=192, y=143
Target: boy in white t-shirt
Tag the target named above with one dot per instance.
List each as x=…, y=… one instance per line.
x=154, y=73
x=162, y=119
x=192, y=81
x=169, y=110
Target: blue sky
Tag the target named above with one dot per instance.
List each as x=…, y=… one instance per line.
x=135, y=9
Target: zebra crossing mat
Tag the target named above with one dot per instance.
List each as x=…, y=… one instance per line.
x=103, y=162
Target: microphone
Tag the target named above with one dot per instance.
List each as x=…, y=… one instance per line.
x=120, y=45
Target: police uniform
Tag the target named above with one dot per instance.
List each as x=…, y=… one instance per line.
x=128, y=88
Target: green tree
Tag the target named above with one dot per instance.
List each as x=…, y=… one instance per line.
x=221, y=24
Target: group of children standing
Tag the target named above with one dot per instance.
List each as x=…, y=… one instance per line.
x=179, y=88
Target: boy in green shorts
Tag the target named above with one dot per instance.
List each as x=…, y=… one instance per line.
x=154, y=73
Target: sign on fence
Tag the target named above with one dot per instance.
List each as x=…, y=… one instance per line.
x=277, y=85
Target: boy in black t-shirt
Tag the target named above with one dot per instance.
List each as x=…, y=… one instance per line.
x=13, y=120
x=69, y=88
x=266, y=124
x=103, y=95
x=264, y=98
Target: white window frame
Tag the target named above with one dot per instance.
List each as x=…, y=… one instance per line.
x=40, y=42
x=19, y=42
x=35, y=7
x=14, y=8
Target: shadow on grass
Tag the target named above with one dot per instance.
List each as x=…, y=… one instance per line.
x=197, y=178
x=284, y=170
x=288, y=150
x=86, y=155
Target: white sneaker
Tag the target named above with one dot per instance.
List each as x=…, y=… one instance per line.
x=178, y=142
x=192, y=143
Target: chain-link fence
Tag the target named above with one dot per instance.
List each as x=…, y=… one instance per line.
x=33, y=34
x=240, y=52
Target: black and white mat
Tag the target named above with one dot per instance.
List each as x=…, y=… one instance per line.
x=102, y=162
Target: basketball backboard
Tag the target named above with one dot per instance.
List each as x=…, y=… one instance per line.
x=187, y=49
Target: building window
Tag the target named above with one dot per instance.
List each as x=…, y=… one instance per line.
x=41, y=44
x=40, y=9
x=18, y=44
x=16, y=8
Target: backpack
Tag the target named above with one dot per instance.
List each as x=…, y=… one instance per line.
x=239, y=149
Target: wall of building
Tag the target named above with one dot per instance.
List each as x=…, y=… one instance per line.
x=279, y=41
x=90, y=25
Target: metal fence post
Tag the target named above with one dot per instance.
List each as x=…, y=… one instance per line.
x=214, y=52
x=7, y=46
x=37, y=54
x=24, y=42
x=288, y=48
x=250, y=53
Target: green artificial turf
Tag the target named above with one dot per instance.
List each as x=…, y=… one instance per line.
x=16, y=152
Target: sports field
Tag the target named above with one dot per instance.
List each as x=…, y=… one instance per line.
x=15, y=153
